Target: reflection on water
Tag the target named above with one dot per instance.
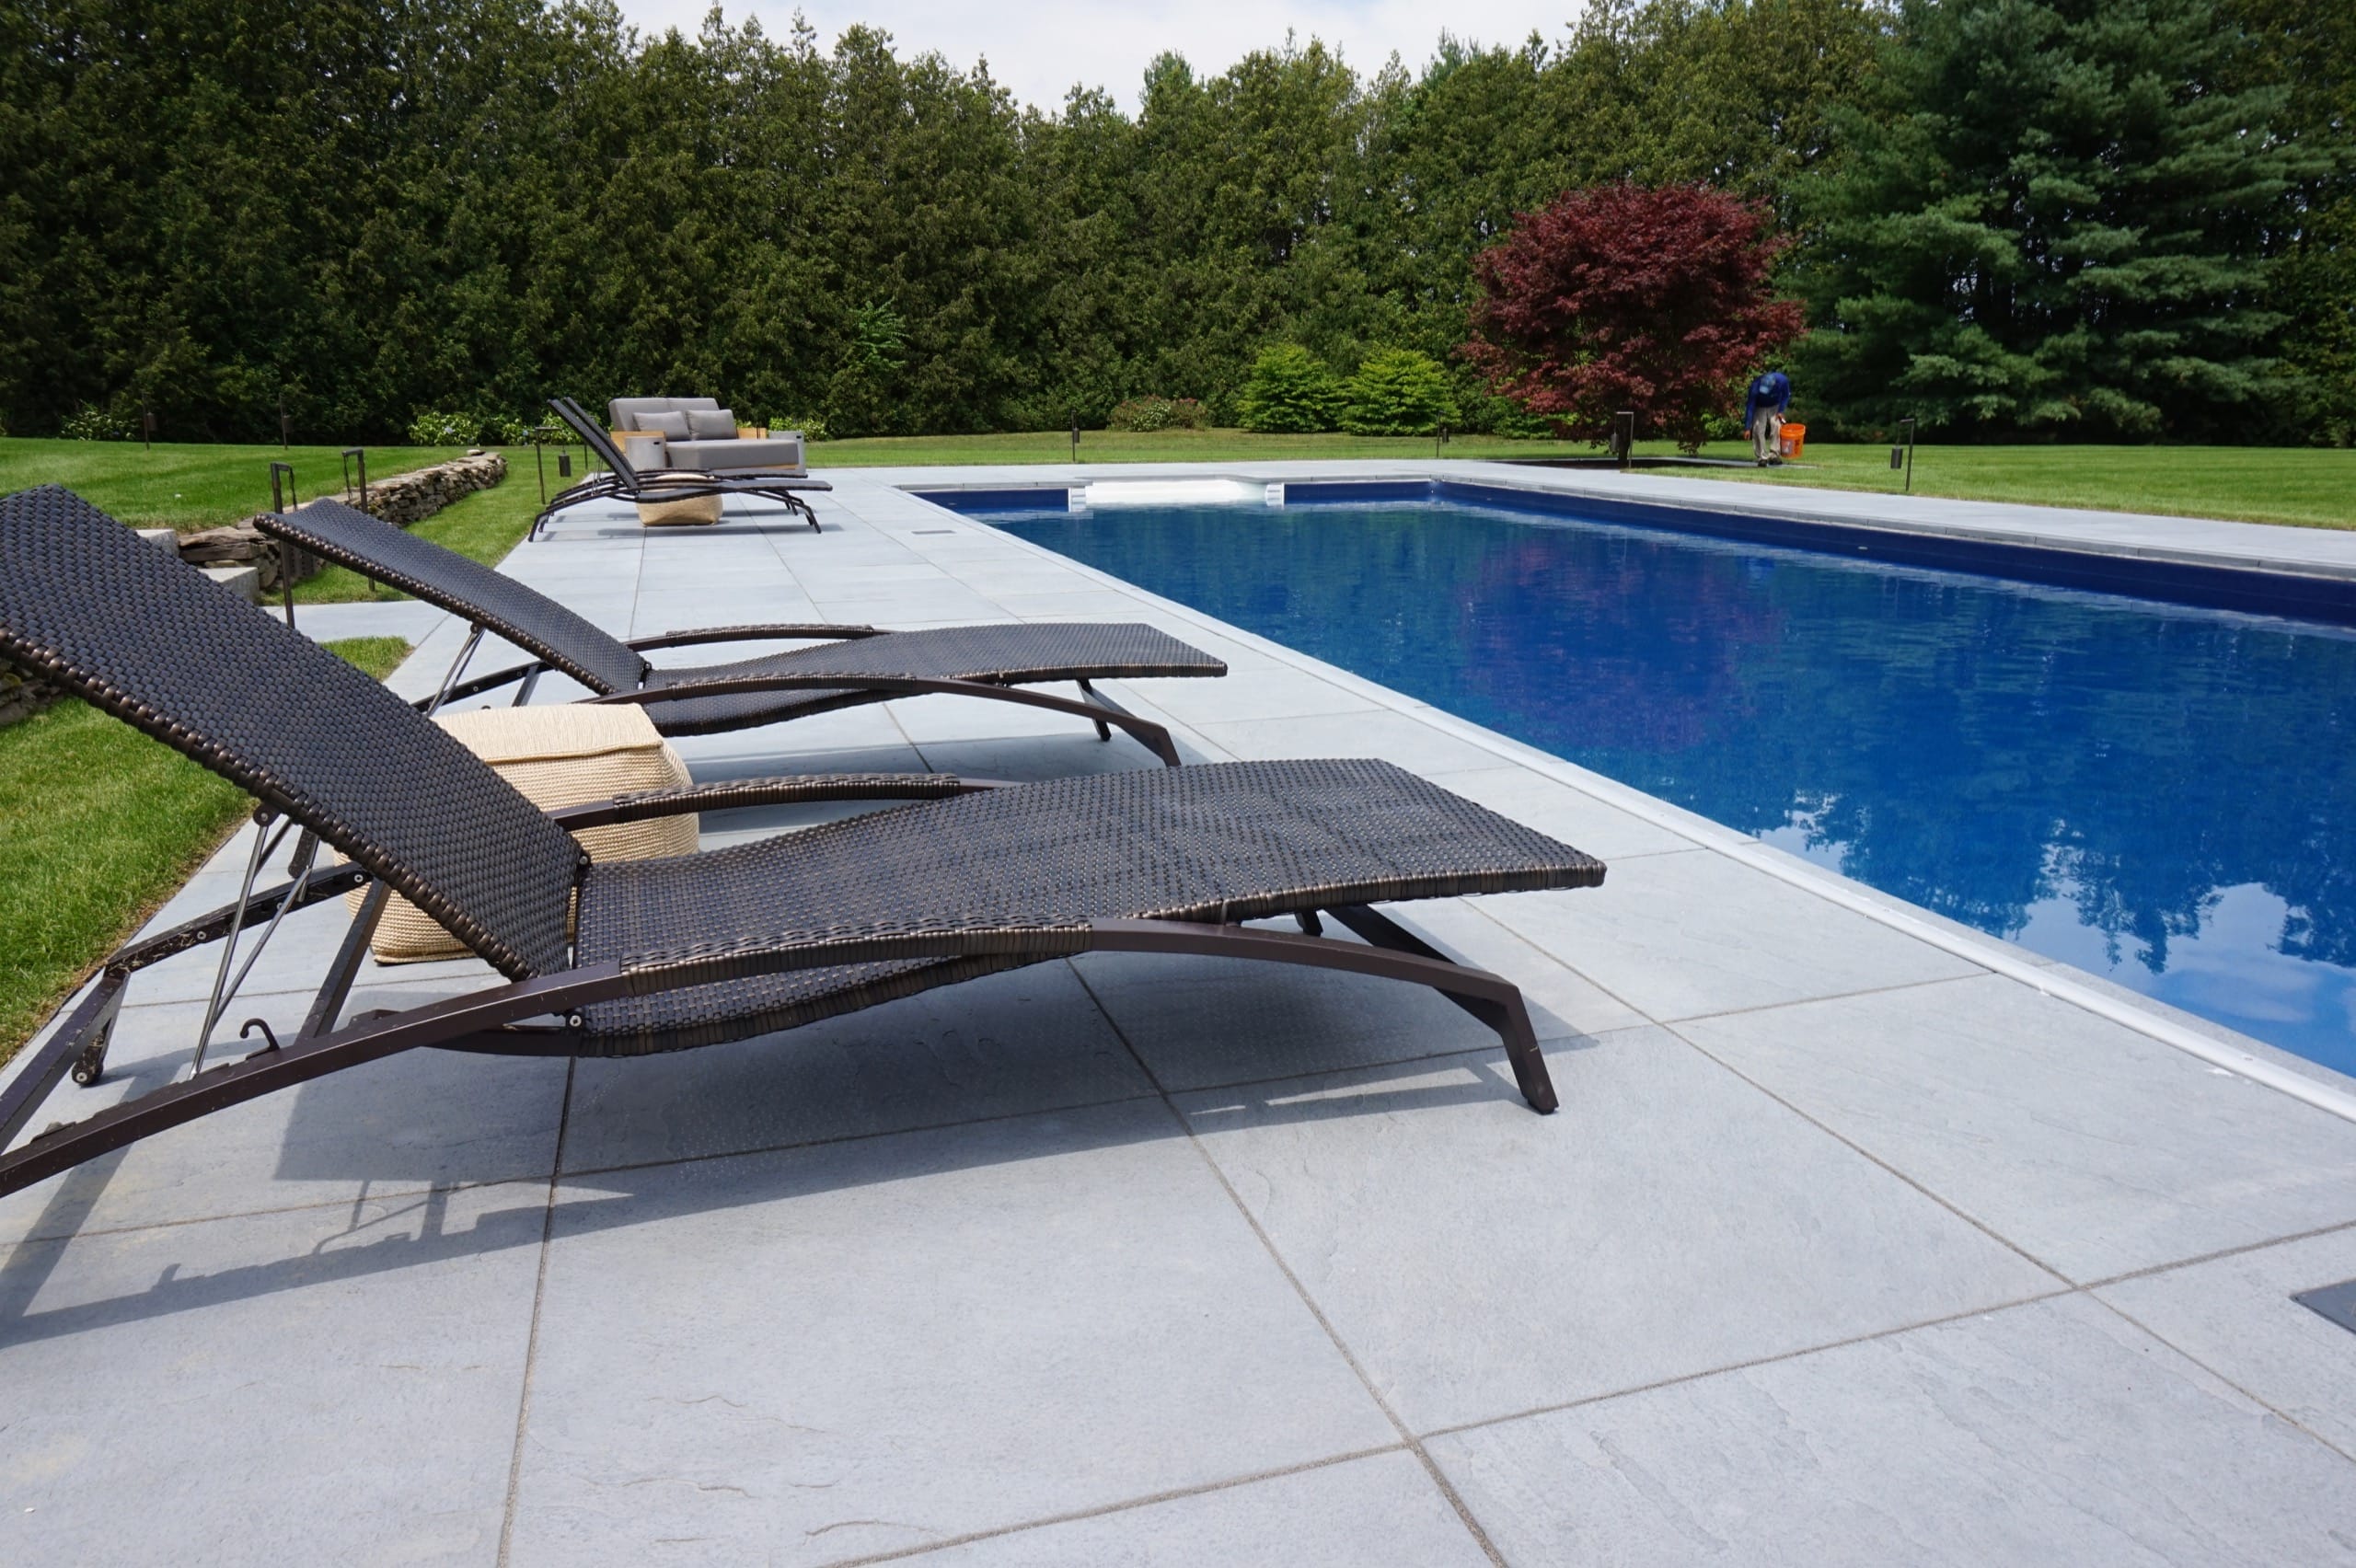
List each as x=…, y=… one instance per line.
x=2164, y=796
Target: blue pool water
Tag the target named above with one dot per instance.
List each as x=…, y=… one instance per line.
x=2159, y=794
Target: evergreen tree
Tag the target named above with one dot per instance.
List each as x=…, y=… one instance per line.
x=2052, y=218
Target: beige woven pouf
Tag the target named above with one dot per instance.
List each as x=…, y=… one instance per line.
x=562, y=754
x=691, y=512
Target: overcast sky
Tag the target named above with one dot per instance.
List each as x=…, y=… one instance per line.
x=1039, y=48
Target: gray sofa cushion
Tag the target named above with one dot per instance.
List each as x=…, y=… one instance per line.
x=622, y=412
x=711, y=424
x=670, y=426
x=775, y=455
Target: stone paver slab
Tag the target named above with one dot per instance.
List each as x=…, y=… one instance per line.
x=2235, y=1316
x=407, y=1123
x=2052, y=1432
x=1031, y=1040
x=2098, y=1149
x=1481, y=1259
x=867, y=1346
x=1677, y=936
x=330, y=1385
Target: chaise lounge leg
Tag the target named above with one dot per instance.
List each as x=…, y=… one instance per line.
x=1510, y=1019
x=1395, y=955
x=1104, y=730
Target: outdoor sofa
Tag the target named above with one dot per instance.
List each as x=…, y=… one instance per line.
x=709, y=440
x=624, y=480
x=856, y=665
x=627, y=958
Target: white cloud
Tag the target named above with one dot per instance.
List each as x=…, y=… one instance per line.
x=1039, y=50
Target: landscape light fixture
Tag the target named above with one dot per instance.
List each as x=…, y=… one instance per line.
x=148, y=429
x=540, y=434
x=1075, y=440
x=1903, y=456
x=286, y=424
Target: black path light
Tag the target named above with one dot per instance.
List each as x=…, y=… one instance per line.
x=1903, y=456
x=1075, y=438
x=148, y=429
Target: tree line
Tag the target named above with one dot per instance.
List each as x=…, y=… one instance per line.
x=2090, y=218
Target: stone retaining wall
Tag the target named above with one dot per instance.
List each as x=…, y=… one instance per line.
x=404, y=499
x=23, y=693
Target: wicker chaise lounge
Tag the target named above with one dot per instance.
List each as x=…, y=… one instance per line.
x=622, y=481
x=627, y=958
x=856, y=665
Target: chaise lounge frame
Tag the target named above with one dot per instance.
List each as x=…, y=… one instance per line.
x=623, y=480
x=147, y=638
x=987, y=662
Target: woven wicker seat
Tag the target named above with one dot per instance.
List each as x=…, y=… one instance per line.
x=974, y=660
x=692, y=949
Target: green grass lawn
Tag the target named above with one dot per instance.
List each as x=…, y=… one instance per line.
x=189, y=487
x=98, y=825
x=2312, y=487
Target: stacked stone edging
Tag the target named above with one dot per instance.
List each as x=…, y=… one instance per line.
x=23, y=694
x=404, y=499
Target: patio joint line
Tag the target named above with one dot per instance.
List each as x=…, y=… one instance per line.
x=1829, y=997
x=1864, y=1153
x=2233, y=1252
x=1127, y=1505
x=1414, y=1444
x=532, y=1338
x=1752, y=1363
x=2252, y=1395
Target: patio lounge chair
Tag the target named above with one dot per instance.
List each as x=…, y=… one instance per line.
x=856, y=665
x=633, y=957
x=623, y=481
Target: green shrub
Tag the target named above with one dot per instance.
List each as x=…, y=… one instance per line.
x=1398, y=392
x=90, y=423
x=812, y=428
x=1151, y=413
x=444, y=427
x=1290, y=391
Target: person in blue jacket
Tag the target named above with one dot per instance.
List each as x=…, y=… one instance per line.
x=1762, y=413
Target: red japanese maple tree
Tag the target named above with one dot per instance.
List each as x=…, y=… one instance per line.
x=1630, y=296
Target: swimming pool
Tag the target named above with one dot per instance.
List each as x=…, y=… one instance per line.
x=2158, y=793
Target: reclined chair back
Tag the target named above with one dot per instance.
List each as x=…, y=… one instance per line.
x=596, y=441
x=135, y=632
x=530, y=620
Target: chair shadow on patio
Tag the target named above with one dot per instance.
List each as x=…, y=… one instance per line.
x=1014, y=1068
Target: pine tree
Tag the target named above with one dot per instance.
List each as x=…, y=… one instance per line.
x=2054, y=220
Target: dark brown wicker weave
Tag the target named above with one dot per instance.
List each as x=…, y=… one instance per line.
x=857, y=663
x=672, y=953
x=623, y=481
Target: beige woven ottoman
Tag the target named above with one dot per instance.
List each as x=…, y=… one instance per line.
x=692, y=512
x=562, y=754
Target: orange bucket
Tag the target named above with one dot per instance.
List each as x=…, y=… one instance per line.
x=1792, y=440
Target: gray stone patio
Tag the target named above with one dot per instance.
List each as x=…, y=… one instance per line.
x=1853, y=1243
